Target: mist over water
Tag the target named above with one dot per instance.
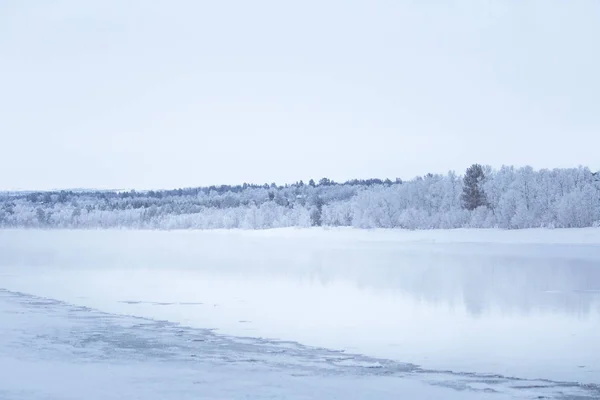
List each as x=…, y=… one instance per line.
x=530, y=310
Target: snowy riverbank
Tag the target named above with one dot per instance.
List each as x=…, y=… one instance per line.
x=459, y=235
x=54, y=350
x=462, y=235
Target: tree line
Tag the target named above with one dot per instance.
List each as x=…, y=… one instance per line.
x=509, y=198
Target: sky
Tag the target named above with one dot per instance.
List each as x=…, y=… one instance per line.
x=156, y=94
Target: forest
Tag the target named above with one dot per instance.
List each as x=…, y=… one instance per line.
x=507, y=198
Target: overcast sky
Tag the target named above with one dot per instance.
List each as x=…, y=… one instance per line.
x=162, y=94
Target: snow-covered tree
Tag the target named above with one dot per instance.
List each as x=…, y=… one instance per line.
x=473, y=193
x=510, y=198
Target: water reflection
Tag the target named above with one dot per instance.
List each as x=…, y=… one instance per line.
x=520, y=279
x=526, y=281
x=510, y=278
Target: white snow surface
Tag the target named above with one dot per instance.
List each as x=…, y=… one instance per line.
x=259, y=314
x=460, y=235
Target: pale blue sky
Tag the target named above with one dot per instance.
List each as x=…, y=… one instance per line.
x=160, y=94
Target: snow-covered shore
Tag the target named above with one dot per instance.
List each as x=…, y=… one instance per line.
x=462, y=235
x=54, y=350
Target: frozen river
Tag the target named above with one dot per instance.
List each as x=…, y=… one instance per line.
x=522, y=305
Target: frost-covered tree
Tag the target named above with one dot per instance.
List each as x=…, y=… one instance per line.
x=316, y=211
x=473, y=195
x=510, y=198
